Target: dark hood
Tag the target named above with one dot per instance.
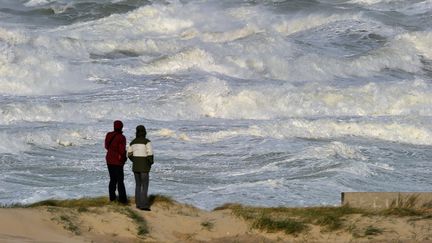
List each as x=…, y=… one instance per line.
x=118, y=126
x=141, y=131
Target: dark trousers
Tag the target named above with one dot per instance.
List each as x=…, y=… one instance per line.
x=116, y=182
x=141, y=189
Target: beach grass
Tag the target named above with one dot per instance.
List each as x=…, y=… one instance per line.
x=207, y=224
x=292, y=220
x=295, y=221
x=404, y=206
x=372, y=230
x=82, y=205
x=142, y=227
x=69, y=223
x=72, y=203
x=271, y=225
x=158, y=198
x=85, y=202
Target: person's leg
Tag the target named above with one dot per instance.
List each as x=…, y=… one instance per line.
x=121, y=186
x=112, y=182
x=137, y=189
x=144, y=190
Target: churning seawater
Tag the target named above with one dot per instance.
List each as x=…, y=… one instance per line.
x=264, y=102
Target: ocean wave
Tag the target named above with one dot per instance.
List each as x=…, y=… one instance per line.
x=331, y=150
x=35, y=3
x=372, y=2
x=61, y=12
x=150, y=20
x=26, y=140
x=420, y=41
x=31, y=66
x=184, y=60
x=13, y=36
x=303, y=22
x=12, y=146
x=422, y=7
x=169, y=39
x=406, y=7
x=387, y=131
x=216, y=98
x=392, y=131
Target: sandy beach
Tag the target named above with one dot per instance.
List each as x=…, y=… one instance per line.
x=169, y=221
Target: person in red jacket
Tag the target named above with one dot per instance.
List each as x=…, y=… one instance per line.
x=115, y=144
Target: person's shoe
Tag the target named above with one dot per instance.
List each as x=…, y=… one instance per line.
x=145, y=209
x=124, y=202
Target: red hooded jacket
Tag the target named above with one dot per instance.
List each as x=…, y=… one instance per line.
x=115, y=144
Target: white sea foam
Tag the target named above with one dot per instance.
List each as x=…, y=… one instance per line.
x=24, y=140
x=184, y=60
x=384, y=166
x=372, y=2
x=165, y=35
x=231, y=35
x=147, y=20
x=270, y=183
x=397, y=55
x=13, y=36
x=165, y=132
x=260, y=60
x=35, y=3
x=44, y=193
x=361, y=168
x=324, y=159
x=34, y=75
x=395, y=132
x=216, y=98
x=31, y=65
x=331, y=150
x=358, y=169
x=77, y=112
x=301, y=23
x=329, y=129
x=35, y=112
x=420, y=41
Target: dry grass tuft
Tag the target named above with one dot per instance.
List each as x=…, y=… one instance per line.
x=157, y=198
x=74, y=203
x=292, y=220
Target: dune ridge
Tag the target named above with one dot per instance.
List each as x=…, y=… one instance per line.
x=98, y=220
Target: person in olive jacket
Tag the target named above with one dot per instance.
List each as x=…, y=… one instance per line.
x=140, y=152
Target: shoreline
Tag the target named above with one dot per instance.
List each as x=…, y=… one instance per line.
x=98, y=220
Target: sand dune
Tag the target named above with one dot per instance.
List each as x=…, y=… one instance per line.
x=170, y=221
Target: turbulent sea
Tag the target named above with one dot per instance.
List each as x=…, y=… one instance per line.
x=283, y=102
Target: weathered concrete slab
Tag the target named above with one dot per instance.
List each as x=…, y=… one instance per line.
x=384, y=200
